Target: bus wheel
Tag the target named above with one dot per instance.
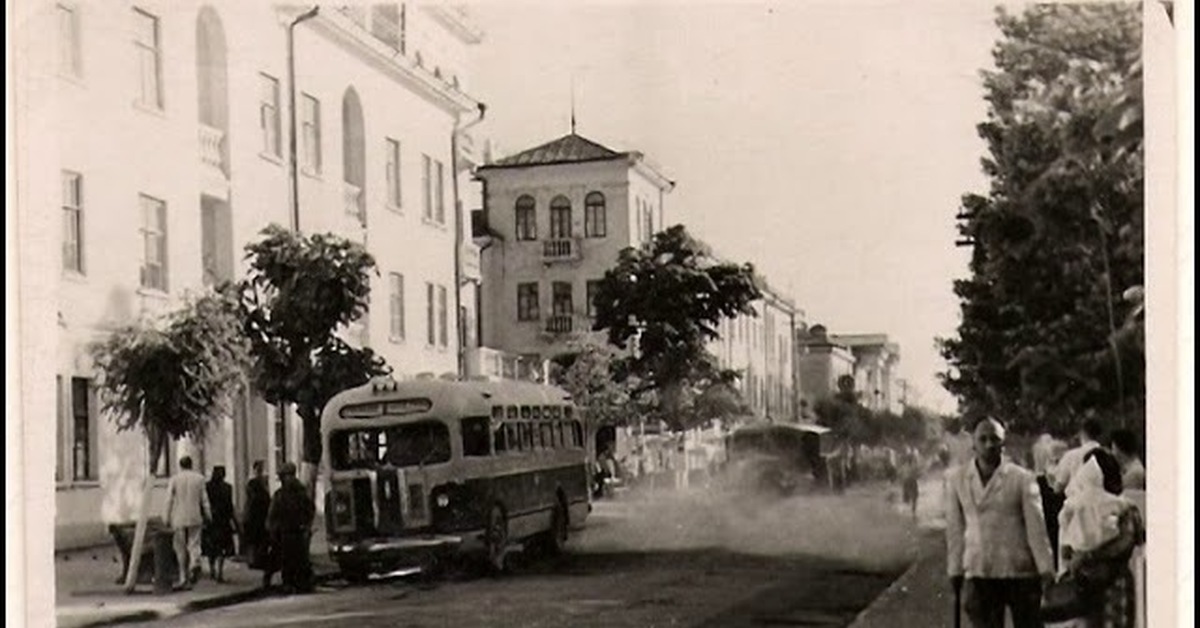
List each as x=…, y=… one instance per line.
x=555, y=539
x=355, y=574
x=497, y=539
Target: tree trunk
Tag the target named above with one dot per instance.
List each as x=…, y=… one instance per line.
x=157, y=443
x=313, y=448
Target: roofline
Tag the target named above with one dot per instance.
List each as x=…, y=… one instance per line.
x=561, y=162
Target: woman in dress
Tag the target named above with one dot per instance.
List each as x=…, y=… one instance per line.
x=217, y=538
x=1099, y=530
x=255, y=542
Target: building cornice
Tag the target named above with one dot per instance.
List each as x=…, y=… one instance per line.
x=456, y=22
x=343, y=31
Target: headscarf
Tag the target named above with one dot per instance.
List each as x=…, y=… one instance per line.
x=1091, y=515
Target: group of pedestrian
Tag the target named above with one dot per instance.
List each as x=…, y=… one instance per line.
x=1017, y=539
x=275, y=531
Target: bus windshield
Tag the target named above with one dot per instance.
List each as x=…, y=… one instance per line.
x=407, y=445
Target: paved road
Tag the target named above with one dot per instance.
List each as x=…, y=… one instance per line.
x=691, y=559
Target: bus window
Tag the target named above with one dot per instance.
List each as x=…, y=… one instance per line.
x=476, y=437
x=498, y=413
x=537, y=413
x=512, y=436
x=556, y=412
x=526, y=413
x=567, y=413
x=577, y=432
x=500, y=442
x=558, y=433
x=526, y=436
x=513, y=412
x=547, y=436
x=406, y=445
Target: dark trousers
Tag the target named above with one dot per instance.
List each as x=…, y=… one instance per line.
x=290, y=553
x=984, y=600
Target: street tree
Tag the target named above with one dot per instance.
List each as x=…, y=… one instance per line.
x=1050, y=325
x=300, y=291
x=663, y=302
x=172, y=378
x=586, y=371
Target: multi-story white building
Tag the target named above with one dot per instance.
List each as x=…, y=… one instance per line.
x=555, y=218
x=154, y=144
x=761, y=348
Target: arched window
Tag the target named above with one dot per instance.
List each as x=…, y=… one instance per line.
x=560, y=218
x=594, y=219
x=526, y=217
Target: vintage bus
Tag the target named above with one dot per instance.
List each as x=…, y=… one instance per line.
x=423, y=470
x=776, y=457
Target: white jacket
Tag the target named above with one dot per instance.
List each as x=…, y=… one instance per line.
x=998, y=530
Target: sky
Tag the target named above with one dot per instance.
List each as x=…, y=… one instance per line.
x=827, y=143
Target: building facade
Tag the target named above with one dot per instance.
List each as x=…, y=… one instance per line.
x=761, y=349
x=870, y=360
x=156, y=145
x=553, y=221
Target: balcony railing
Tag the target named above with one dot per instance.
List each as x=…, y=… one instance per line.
x=211, y=153
x=352, y=199
x=560, y=324
x=560, y=249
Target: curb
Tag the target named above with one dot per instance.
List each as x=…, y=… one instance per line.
x=899, y=583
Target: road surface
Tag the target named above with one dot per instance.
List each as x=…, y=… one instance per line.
x=677, y=559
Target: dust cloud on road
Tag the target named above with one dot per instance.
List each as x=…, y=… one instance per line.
x=862, y=527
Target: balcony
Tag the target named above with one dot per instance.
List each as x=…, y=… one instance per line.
x=469, y=151
x=352, y=198
x=560, y=324
x=560, y=250
x=471, y=266
x=493, y=364
x=212, y=153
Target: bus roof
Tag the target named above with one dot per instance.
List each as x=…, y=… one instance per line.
x=462, y=398
x=756, y=428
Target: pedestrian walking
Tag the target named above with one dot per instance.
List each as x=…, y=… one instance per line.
x=289, y=522
x=910, y=474
x=218, y=536
x=255, y=540
x=958, y=445
x=1100, y=531
x=187, y=510
x=1089, y=436
x=1125, y=449
x=998, y=551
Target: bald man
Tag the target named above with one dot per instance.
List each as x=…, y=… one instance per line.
x=998, y=550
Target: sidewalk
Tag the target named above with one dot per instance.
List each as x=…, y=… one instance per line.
x=921, y=596
x=87, y=592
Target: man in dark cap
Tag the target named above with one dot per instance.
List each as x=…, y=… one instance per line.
x=289, y=522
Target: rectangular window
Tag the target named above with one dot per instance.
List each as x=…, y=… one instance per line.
x=60, y=461
x=440, y=184
x=268, y=114
x=396, y=313
x=527, y=302
x=83, y=435
x=443, y=332
x=593, y=287
x=310, y=125
x=154, y=244
x=393, y=173
x=72, y=216
x=526, y=223
x=148, y=44
x=562, y=299
x=70, y=59
x=427, y=185
x=430, y=323
x=648, y=216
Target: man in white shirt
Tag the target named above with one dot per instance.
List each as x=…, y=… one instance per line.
x=1089, y=437
x=187, y=511
x=998, y=550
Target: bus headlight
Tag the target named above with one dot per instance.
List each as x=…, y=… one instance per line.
x=443, y=500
